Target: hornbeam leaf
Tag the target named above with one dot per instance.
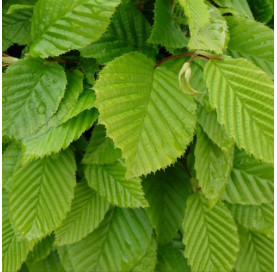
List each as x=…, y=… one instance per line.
x=117, y=244
x=127, y=32
x=110, y=182
x=32, y=92
x=62, y=25
x=146, y=104
x=251, y=182
x=253, y=41
x=256, y=252
x=210, y=236
x=87, y=211
x=166, y=30
x=212, y=165
x=167, y=192
x=41, y=193
x=245, y=106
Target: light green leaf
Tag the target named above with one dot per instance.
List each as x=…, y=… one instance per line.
x=166, y=30
x=251, y=182
x=116, y=245
x=127, y=32
x=10, y=157
x=41, y=194
x=32, y=92
x=14, y=248
x=171, y=259
x=87, y=211
x=256, y=252
x=210, y=236
x=253, y=41
x=167, y=192
x=259, y=218
x=110, y=182
x=58, y=138
x=245, y=107
x=62, y=25
x=100, y=149
x=146, y=104
x=212, y=165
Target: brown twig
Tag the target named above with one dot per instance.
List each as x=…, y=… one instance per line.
x=184, y=163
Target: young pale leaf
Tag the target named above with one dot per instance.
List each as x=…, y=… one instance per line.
x=210, y=236
x=41, y=194
x=251, y=182
x=62, y=25
x=171, y=259
x=253, y=41
x=87, y=211
x=166, y=30
x=120, y=241
x=60, y=137
x=256, y=252
x=14, y=248
x=259, y=218
x=110, y=182
x=167, y=192
x=32, y=92
x=146, y=104
x=245, y=106
x=101, y=149
x=212, y=165
x=127, y=32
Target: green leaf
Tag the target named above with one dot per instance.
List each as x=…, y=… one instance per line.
x=210, y=236
x=100, y=149
x=10, y=157
x=212, y=165
x=256, y=252
x=19, y=7
x=127, y=32
x=32, y=92
x=263, y=10
x=87, y=211
x=167, y=192
x=14, y=248
x=253, y=41
x=259, y=218
x=41, y=194
x=166, y=31
x=110, y=182
x=146, y=104
x=245, y=107
x=116, y=245
x=171, y=259
x=60, y=137
x=62, y=25
x=251, y=182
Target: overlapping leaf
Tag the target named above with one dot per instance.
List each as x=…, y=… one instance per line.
x=263, y=10
x=238, y=7
x=63, y=25
x=245, y=107
x=146, y=104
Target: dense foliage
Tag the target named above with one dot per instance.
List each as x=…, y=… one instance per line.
x=137, y=135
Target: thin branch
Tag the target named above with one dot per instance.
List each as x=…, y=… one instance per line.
x=184, y=163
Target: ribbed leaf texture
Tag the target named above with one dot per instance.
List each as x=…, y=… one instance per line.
x=245, y=107
x=170, y=36
x=127, y=32
x=210, y=235
x=167, y=192
x=250, y=182
x=87, y=211
x=253, y=41
x=237, y=7
x=59, y=26
x=212, y=165
x=116, y=245
x=41, y=194
x=31, y=95
x=147, y=105
x=256, y=252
